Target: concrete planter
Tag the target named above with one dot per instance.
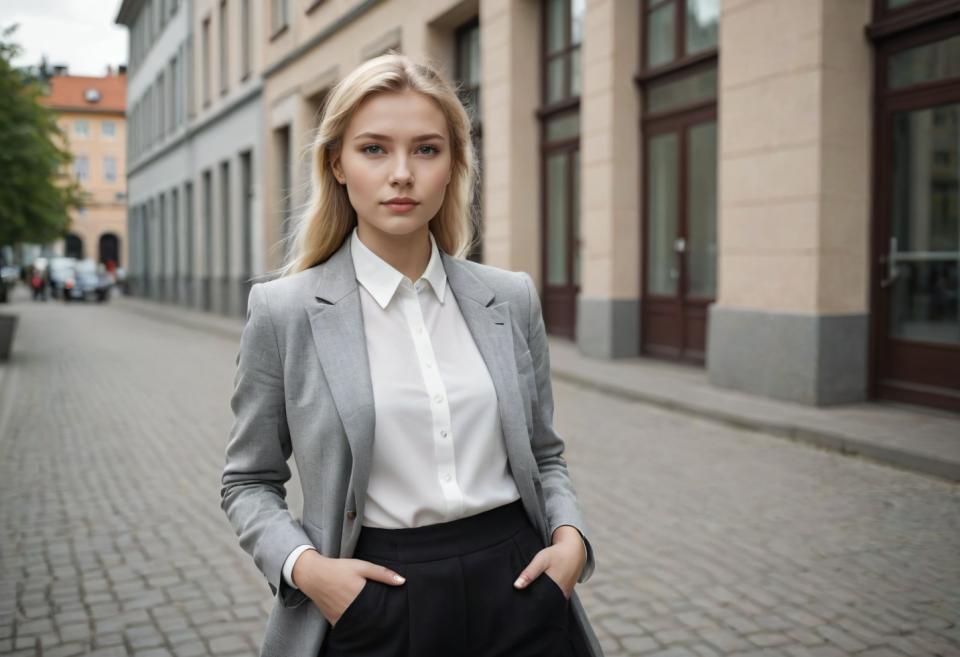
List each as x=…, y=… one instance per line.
x=8, y=326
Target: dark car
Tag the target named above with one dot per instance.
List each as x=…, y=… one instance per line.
x=87, y=281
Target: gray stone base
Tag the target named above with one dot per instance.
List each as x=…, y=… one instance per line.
x=817, y=360
x=608, y=328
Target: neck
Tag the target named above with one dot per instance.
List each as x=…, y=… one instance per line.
x=409, y=254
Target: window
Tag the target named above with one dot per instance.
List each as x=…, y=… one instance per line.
x=110, y=168
x=81, y=128
x=246, y=38
x=188, y=228
x=108, y=129
x=246, y=214
x=81, y=168
x=205, y=61
x=279, y=16
x=664, y=43
x=207, y=219
x=468, y=78
x=161, y=105
x=468, y=67
x=560, y=162
x=225, y=216
x=224, y=48
x=564, y=31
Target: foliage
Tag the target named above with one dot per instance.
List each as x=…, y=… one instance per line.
x=36, y=190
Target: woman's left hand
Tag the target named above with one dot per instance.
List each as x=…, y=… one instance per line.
x=562, y=562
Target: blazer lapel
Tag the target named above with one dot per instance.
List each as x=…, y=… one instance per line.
x=336, y=321
x=492, y=330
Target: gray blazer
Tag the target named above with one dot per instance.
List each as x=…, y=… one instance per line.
x=302, y=386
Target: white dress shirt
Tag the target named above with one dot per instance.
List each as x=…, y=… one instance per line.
x=438, y=449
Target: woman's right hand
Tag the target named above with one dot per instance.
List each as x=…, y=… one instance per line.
x=332, y=584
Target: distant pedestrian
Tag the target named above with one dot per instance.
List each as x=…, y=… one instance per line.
x=38, y=285
x=412, y=386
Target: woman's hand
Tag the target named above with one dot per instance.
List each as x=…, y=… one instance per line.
x=332, y=584
x=562, y=562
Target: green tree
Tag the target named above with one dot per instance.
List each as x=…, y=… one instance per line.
x=36, y=190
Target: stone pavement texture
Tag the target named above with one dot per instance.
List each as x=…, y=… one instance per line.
x=710, y=539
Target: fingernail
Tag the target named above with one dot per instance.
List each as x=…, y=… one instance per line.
x=398, y=579
x=521, y=582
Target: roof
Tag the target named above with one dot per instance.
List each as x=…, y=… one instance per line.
x=70, y=93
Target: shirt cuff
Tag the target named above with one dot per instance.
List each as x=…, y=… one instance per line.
x=291, y=560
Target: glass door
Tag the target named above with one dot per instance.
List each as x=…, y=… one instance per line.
x=680, y=237
x=917, y=246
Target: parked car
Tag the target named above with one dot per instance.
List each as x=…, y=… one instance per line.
x=60, y=269
x=88, y=281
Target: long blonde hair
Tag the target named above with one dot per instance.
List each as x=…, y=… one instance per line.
x=328, y=216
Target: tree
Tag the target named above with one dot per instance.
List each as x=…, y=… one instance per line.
x=36, y=190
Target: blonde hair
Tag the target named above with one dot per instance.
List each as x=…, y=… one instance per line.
x=328, y=217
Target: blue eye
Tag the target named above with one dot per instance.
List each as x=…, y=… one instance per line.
x=435, y=149
x=370, y=146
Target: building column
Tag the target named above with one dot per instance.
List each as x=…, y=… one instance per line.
x=608, y=306
x=510, y=79
x=791, y=316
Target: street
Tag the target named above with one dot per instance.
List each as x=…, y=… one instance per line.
x=709, y=540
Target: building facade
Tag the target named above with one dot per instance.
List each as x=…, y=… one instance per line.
x=91, y=115
x=196, y=122
x=766, y=189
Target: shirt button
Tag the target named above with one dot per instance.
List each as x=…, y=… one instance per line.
x=428, y=365
x=446, y=477
x=438, y=398
x=419, y=329
x=443, y=432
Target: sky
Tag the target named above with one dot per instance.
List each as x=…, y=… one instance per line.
x=78, y=33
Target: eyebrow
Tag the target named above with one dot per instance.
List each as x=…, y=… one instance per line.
x=374, y=135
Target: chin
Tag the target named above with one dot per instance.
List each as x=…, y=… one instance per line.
x=400, y=225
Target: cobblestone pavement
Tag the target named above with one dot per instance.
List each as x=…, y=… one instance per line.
x=709, y=541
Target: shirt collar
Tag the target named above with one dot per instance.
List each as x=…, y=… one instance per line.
x=381, y=279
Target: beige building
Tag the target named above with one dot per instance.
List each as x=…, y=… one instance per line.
x=90, y=113
x=766, y=189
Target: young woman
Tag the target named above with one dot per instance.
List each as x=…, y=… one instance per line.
x=413, y=388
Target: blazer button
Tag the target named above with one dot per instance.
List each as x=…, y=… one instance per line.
x=351, y=514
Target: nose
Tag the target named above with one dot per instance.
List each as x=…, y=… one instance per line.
x=401, y=171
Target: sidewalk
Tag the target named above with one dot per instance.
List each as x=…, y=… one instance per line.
x=913, y=438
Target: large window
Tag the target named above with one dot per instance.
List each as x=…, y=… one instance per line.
x=560, y=164
x=678, y=231
x=468, y=79
x=676, y=30
x=564, y=32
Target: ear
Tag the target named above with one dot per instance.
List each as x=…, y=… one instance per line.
x=335, y=167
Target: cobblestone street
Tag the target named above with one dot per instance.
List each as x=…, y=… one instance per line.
x=709, y=541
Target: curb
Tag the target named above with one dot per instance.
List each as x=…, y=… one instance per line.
x=835, y=442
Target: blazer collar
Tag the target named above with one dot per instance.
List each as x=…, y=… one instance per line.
x=337, y=277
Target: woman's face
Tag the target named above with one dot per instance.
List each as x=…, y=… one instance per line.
x=395, y=145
